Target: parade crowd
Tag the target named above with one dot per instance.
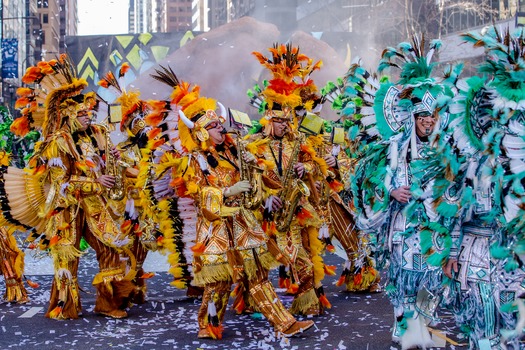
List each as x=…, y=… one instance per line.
x=422, y=178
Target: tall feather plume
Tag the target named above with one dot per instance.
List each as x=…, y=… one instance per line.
x=167, y=76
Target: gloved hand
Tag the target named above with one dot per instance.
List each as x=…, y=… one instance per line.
x=299, y=169
x=248, y=157
x=238, y=188
x=273, y=203
x=330, y=160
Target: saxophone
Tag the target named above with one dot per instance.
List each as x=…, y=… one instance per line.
x=293, y=190
x=114, y=167
x=253, y=198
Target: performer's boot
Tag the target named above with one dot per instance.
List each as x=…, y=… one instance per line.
x=305, y=300
x=399, y=325
x=212, y=310
x=416, y=334
x=272, y=308
x=15, y=291
x=113, y=293
x=139, y=294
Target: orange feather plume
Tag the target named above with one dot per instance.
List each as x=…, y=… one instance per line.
x=293, y=289
x=336, y=186
x=147, y=275
x=324, y=301
x=330, y=270
x=24, y=92
x=54, y=240
x=20, y=126
x=124, y=69
x=32, y=75
x=32, y=284
x=198, y=248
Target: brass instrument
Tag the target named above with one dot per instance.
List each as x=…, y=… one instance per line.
x=293, y=190
x=114, y=167
x=249, y=172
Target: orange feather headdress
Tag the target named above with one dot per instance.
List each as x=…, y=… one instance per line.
x=290, y=89
x=43, y=103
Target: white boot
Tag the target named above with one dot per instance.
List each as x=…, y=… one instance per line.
x=416, y=334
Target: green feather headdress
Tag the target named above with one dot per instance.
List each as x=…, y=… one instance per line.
x=505, y=60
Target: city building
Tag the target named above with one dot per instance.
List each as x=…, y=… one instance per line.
x=19, y=30
x=32, y=30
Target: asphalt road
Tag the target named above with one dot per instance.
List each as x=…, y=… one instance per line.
x=168, y=320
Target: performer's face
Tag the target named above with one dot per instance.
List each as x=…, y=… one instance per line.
x=215, y=130
x=425, y=124
x=84, y=118
x=280, y=127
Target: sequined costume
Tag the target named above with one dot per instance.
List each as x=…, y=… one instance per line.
x=64, y=172
x=486, y=193
x=392, y=124
x=230, y=245
x=138, y=222
x=299, y=239
x=12, y=267
x=292, y=168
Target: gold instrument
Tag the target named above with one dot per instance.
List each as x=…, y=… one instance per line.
x=252, y=173
x=293, y=190
x=114, y=167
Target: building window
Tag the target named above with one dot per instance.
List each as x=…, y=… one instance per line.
x=45, y=18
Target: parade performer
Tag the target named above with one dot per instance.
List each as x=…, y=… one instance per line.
x=13, y=152
x=66, y=186
x=359, y=272
x=289, y=218
x=230, y=246
x=488, y=140
x=139, y=219
x=395, y=200
x=12, y=268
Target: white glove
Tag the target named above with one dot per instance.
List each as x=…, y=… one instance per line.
x=299, y=169
x=273, y=203
x=330, y=160
x=249, y=158
x=238, y=188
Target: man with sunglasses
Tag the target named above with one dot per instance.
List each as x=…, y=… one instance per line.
x=230, y=245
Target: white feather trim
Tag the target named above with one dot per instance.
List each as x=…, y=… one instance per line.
x=515, y=146
x=130, y=208
x=203, y=164
x=64, y=273
x=324, y=232
x=517, y=166
x=63, y=189
x=336, y=150
x=56, y=162
x=416, y=334
x=511, y=207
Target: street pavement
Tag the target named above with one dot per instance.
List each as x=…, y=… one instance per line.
x=169, y=320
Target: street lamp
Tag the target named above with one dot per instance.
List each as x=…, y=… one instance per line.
x=11, y=90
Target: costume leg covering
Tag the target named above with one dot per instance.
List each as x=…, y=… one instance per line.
x=271, y=306
x=113, y=291
x=215, y=295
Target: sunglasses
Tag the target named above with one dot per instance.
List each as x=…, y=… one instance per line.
x=213, y=125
